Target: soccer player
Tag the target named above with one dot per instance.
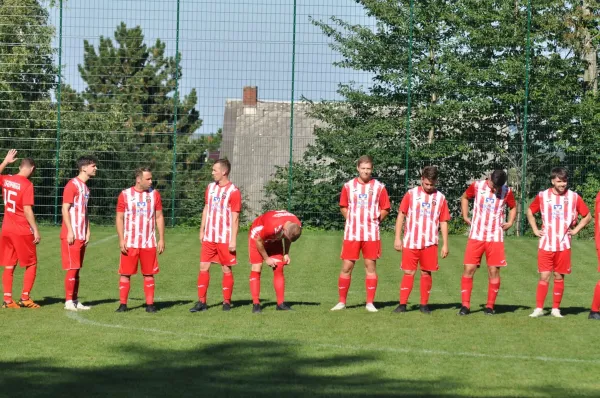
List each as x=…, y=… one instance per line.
x=486, y=235
x=20, y=233
x=364, y=203
x=426, y=212
x=560, y=208
x=269, y=241
x=595, y=311
x=75, y=231
x=139, y=214
x=218, y=233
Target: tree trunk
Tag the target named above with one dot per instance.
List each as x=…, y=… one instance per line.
x=590, y=76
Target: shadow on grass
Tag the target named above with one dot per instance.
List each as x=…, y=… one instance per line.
x=291, y=304
x=50, y=301
x=574, y=310
x=506, y=308
x=163, y=305
x=100, y=302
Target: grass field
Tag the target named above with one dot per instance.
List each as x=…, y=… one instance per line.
x=310, y=351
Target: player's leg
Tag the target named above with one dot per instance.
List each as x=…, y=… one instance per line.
x=429, y=263
x=70, y=263
x=595, y=310
x=255, y=271
x=128, y=264
x=81, y=252
x=279, y=285
x=371, y=252
x=545, y=262
x=562, y=267
x=471, y=261
x=496, y=259
x=149, y=266
x=350, y=253
x=27, y=255
x=7, y=282
x=227, y=287
x=203, y=281
x=408, y=265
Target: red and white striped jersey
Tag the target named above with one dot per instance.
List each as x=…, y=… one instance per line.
x=559, y=213
x=139, y=210
x=423, y=215
x=221, y=202
x=76, y=193
x=488, y=211
x=597, y=223
x=365, y=203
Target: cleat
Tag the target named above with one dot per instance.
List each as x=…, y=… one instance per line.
x=400, y=309
x=70, y=305
x=80, y=306
x=488, y=311
x=12, y=305
x=464, y=311
x=256, y=309
x=339, y=306
x=370, y=307
x=425, y=309
x=28, y=304
x=151, y=308
x=226, y=307
x=538, y=312
x=594, y=315
x=199, y=307
x=122, y=308
x=556, y=313
x=283, y=307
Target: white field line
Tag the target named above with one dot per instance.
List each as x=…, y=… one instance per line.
x=97, y=242
x=76, y=317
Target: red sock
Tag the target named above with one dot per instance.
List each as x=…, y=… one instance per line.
x=406, y=287
x=70, y=281
x=596, y=299
x=203, y=281
x=76, y=287
x=7, y=282
x=255, y=287
x=279, y=284
x=28, y=280
x=542, y=292
x=343, y=287
x=426, y=283
x=466, y=287
x=493, y=287
x=124, y=285
x=149, y=289
x=559, y=288
x=371, y=287
x=227, y=285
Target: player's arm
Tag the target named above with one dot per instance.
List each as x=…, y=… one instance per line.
x=10, y=157
x=235, y=225
x=464, y=207
x=582, y=223
x=512, y=214
x=88, y=233
x=203, y=223
x=260, y=246
x=30, y=217
x=383, y=214
x=160, y=227
x=286, y=250
x=120, y=224
x=399, y=228
x=344, y=211
x=67, y=220
x=444, y=230
x=533, y=224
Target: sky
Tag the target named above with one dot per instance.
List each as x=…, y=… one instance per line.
x=225, y=45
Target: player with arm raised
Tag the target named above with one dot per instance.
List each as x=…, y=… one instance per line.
x=20, y=233
x=139, y=215
x=75, y=231
x=364, y=203
x=269, y=241
x=560, y=208
x=486, y=235
x=218, y=233
x=425, y=211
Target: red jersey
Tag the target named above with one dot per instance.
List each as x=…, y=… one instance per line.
x=597, y=221
x=269, y=226
x=364, y=203
x=488, y=211
x=139, y=210
x=423, y=215
x=76, y=193
x=221, y=202
x=17, y=192
x=559, y=213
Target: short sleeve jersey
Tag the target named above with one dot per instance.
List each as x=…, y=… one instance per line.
x=139, y=210
x=269, y=226
x=76, y=193
x=488, y=211
x=17, y=192
x=220, y=202
x=424, y=212
x=365, y=203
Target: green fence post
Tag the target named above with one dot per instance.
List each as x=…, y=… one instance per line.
x=175, y=110
x=58, y=100
x=525, y=119
x=409, y=93
x=290, y=168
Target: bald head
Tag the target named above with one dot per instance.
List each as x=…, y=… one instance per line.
x=292, y=231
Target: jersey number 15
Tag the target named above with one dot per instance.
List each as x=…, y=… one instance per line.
x=9, y=202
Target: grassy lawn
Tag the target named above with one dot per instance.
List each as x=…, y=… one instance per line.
x=310, y=351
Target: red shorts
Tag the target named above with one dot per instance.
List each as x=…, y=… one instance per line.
x=371, y=250
x=494, y=253
x=218, y=253
x=426, y=257
x=147, y=257
x=274, y=249
x=554, y=261
x=17, y=248
x=72, y=255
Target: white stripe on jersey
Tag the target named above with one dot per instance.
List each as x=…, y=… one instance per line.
x=78, y=210
x=423, y=219
x=558, y=212
x=219, y=218
x=362, y=223
x=488, y=213
x=140, y=218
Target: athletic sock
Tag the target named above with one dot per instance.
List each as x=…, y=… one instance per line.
x=493, y=288
x=406, y=286
x=203, y=281
x=343, y=287
x=596, y=299
x=559, y=288
x=7, y=282
x=279, y=284
x=542, y=292
x=76, y=287
x=255, y=286
x=70, y=280
x=227, y=285
x=371, y=287
x=28, y=280
x=426, y=283
x=124, y=286
x=466, y=287
x=149, y=289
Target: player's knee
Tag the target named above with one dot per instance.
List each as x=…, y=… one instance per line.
x=226, y=269
x=148, y=278
x=124, y=278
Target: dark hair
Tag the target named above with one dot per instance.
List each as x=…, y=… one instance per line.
x=141, y=170
x=85, y=160
x=364, y=159
x=559, y=172
x=498, y=178
x=430, y=173
x=225, y=165
x=27, y=162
